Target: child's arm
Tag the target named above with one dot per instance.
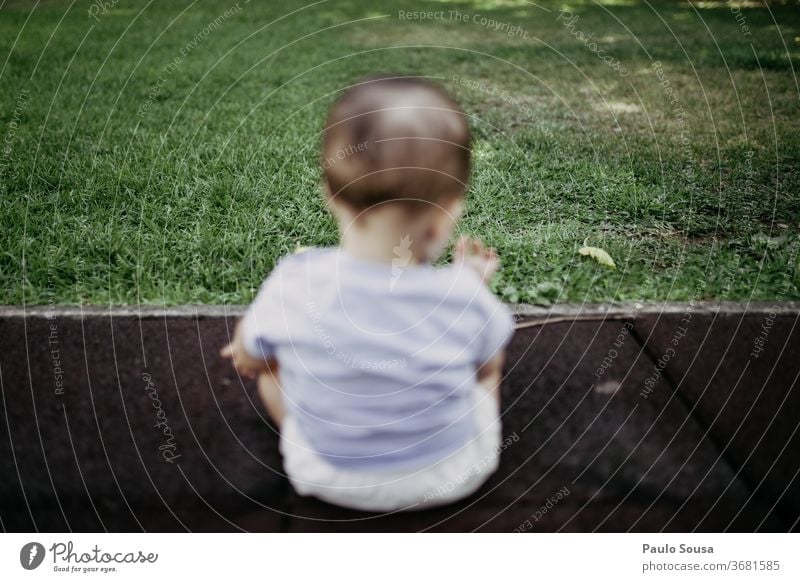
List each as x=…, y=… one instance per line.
x=245, y=364
x=484, y=261
x=255, y=342
x=269, y=386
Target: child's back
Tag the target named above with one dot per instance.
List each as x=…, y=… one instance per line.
x=382, y=369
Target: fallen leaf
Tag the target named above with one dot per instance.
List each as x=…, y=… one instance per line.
x=598, y=255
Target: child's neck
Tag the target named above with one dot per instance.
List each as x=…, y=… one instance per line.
x=382, y=238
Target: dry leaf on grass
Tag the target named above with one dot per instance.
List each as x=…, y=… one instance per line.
x=598, y=255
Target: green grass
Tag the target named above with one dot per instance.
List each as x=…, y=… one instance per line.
x=127, y=180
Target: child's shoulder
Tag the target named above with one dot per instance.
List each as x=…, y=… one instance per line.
x=310, y=270
x=291, y=270
x=305, y=259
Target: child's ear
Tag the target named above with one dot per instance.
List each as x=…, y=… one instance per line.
x=457, y=208
x=339, y=209
x=326, y=190
x=333, y=206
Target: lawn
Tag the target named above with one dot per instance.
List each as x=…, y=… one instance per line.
x=167, y=152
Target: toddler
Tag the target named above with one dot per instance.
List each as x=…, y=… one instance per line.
x=382, y=370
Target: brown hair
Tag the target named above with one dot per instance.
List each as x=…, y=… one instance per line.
x=395, y=138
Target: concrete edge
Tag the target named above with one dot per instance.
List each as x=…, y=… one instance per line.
x=565, y=310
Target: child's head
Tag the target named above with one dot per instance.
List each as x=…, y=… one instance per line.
x=396, y=141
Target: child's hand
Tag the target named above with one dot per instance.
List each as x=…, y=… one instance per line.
x=244, y=363
x=473, y=253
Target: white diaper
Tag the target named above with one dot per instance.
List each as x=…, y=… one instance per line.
x=453, y=478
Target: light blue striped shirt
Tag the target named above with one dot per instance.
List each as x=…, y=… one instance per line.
x=377, y=361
